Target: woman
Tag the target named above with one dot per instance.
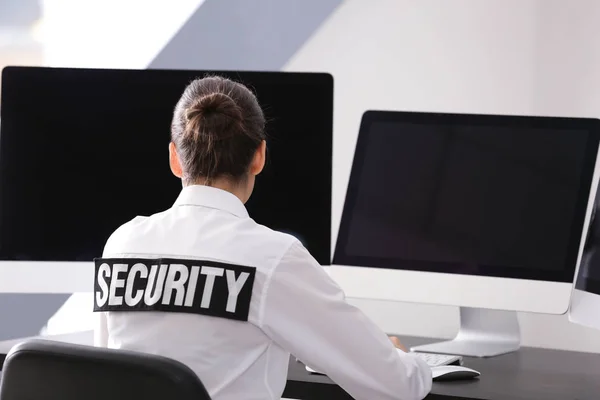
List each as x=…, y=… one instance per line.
x=292, y=306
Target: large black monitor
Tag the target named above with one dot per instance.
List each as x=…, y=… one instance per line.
x=485, y=212
x=478, y=195
x=84, y=150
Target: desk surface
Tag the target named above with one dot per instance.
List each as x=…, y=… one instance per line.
x=529, y=374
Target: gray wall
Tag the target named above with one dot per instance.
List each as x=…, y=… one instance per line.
x=19, y=13
x=220, y=34
x=25, y=314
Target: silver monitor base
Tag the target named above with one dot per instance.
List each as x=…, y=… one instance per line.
x=482, y=333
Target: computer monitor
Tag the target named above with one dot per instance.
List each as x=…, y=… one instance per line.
x=83, y=151
x=483, y=212
x=585, y=299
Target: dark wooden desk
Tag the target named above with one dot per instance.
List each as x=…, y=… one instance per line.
x=530, y=374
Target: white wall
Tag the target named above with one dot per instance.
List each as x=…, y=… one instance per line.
x=509, y=56
x=568, y=49
x=109, y=33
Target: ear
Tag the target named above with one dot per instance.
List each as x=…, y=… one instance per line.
x=174, y=161
x=258, y=162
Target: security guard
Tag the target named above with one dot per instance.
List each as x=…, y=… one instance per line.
x=204, y=284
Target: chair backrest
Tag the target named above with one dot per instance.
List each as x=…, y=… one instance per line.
x=43, y=369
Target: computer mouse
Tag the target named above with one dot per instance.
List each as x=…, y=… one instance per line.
x=453, y=373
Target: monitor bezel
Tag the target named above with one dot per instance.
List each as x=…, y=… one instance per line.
x=371, y=116
x=587, y=285
x=581, y=284
x=583, y=309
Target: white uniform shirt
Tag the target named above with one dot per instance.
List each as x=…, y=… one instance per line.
x=295, y=308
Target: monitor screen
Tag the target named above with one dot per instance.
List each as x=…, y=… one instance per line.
x=83, y=151
x=588, y=276
x=501, y=196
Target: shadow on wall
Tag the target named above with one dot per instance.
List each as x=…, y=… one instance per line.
x=19, y=13
x=24, y=315
x=17, y=45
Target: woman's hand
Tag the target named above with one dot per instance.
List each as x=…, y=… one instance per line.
x=397, y=343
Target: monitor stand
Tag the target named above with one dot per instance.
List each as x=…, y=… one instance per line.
x=482, y=333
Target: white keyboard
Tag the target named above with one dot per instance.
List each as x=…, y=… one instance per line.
x=437, y=360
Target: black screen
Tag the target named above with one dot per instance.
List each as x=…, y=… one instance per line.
x=83, y=151
x=588, y=276
x=482, y=195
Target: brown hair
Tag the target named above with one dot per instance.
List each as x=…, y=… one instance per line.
x=217, y=127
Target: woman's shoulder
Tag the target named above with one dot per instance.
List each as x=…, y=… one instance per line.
x=268, y=233
x=138, y=222
x=123, y=234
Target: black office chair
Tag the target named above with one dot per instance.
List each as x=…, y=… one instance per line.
x=43, y=369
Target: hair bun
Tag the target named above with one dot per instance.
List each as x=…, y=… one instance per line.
x=215, y=104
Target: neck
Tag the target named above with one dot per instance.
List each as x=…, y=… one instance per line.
x=224, y=184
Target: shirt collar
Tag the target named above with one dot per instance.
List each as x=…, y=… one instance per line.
x=211, y=197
